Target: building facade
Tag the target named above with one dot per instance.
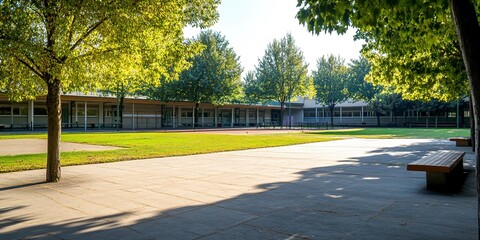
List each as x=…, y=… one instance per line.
x=93, y=112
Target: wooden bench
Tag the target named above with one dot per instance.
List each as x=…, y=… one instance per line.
x=462, y=141
x=444, y=169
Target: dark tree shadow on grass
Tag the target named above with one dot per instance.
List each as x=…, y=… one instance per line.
x=369, y=197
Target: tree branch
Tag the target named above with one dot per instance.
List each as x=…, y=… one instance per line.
x=95, y=53
x=30, y=67
x=89, y=31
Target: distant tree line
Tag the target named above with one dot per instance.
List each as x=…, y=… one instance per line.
x=281, y=75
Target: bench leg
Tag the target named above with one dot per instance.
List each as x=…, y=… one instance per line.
x=446, y=181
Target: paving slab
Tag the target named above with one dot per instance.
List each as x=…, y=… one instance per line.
x=346, y=189
x=11, y=147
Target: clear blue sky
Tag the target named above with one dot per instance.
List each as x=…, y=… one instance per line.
x=249, y=25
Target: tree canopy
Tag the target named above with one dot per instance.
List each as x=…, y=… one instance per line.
x=411, y=45
x=50, y=47
x=330, y=82
x=280, y=75
x=213, y=77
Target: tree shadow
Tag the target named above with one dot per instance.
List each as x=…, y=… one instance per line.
x=22, y=185
x=365, y=197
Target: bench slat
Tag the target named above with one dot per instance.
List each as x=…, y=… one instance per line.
x=442, y=161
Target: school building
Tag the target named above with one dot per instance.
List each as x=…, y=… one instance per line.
x=94, y=111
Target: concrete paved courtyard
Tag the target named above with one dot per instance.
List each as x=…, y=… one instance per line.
x=347, y=189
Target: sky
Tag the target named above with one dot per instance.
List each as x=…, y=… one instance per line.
x=250, y=25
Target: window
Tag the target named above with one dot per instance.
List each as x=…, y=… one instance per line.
x=92, y=112
x=187, y=114
x=207, y=114
x=5, y=111
x=80, y=112
x=452, y=114
x=40, y=111
x=20, y=111
x=309, y=113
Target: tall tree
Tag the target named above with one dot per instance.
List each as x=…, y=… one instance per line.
x=51, y=47
x=251, y=88
x=281, y=74
x=362, y=90
x=330, y=82
x=403, y=30
x=215, y=74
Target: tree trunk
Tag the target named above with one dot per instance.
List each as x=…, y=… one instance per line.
x=282, y=105
x=120, y=111
x=289, y=114
x=468, y=32
x=195, y=116
x=472, y=123
x=428, y=116
x=378, y=118
x=331, y=108
x=54, y=111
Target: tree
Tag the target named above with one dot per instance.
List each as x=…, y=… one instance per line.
x=360, y=89
x=251, y=88
x=330, y=82
x=417, y=56
x=50, y=47
x=281, y=74
x=215, y=75
x=419, y=28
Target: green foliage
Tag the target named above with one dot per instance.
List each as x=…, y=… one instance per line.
x=252, y=88
x=281, y=73
x=392, y=133
x=214, y=76
x=358, y=87
x=90, y=44
x=411, y=45
x=330, y=81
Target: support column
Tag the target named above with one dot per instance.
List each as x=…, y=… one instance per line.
x=69, y=114
x=341, y=114
x=362, y=114
x=76, y=113
x=85, y=116
x=174, y=117
x=203, y=118
x=193, y=117
x=31, y=116
x=258, y=117
x=100, y=114
x=161, y=116
x=179, y=116
x=216, y=117
x=247, y=117
x=233, y=117
x=133, y=116
x=316, y=115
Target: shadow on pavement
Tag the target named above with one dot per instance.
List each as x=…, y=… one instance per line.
x=368, y=197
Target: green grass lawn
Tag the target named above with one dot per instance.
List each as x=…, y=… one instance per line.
x=425, y=133
x=142, y=145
